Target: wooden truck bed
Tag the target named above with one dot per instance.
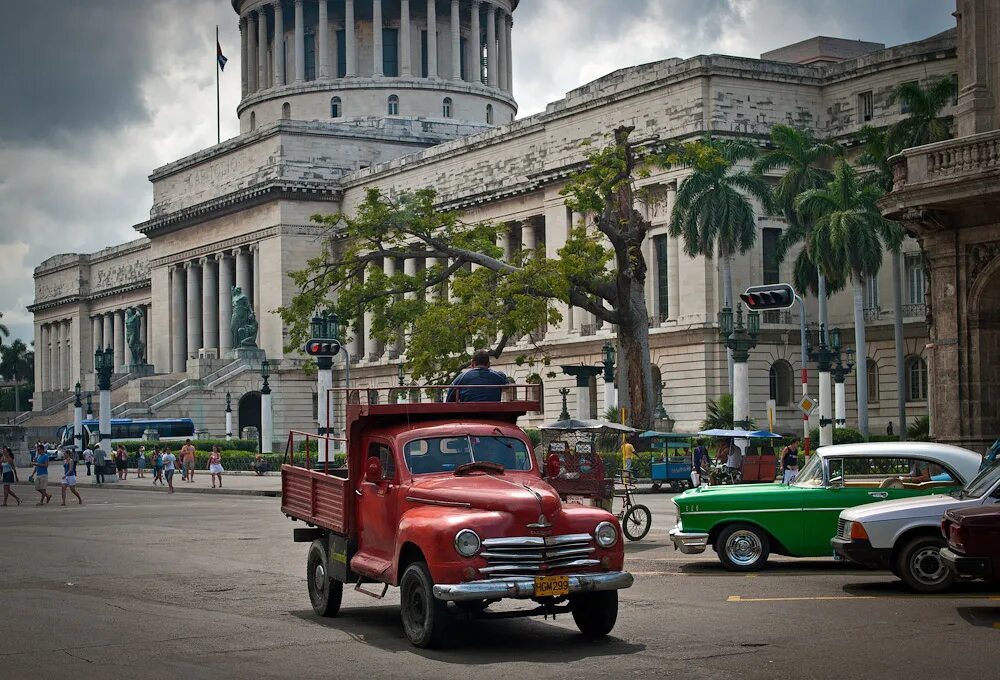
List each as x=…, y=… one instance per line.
x=315, y=498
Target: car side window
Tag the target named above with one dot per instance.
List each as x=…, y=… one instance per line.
x=871, y=471
x=384, y=454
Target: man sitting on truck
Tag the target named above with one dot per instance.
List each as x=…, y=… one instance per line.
x=478, y=373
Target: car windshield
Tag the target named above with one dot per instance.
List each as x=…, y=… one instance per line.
x=811, y=474
x=445, y=454
x=982, y=483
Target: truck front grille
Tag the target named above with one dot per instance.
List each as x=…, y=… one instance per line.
x=534, y=555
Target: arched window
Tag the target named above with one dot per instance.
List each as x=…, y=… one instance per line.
x=916, y=379
x=780, y=382
x=446, y=107
x=286, y=111
x=393, y=108
x=489, y=114
x=873, y=386
x=253, y=121
x=336, y=110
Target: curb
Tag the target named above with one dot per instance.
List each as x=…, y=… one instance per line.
x=269, y=493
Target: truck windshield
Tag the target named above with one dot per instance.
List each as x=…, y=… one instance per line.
x=445, y=454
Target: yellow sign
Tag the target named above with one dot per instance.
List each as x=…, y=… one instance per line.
x=807, y=405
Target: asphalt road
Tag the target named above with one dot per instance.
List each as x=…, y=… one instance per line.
x=200, y=586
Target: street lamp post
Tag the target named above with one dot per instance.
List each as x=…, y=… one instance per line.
x=740, y=339
x=90, y=406
x=319, y=327
x=401, y=396
x=840, y=372
x=610, y=399
x=229, y=417
x=77, y=419
x=824, y=356
x=104, y=365
x=266, y=416
x=564, y=414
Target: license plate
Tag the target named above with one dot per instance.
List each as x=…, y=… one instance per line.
x=582, y=500
x=551, y=586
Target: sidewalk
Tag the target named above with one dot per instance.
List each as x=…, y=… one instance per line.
x=235, y=483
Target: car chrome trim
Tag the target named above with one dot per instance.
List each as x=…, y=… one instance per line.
x=689, y=543
x=523, y=587
x=430, y=501
x=745, y=512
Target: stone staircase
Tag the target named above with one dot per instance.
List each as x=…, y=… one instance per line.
x=63, y=404
x=178, y=390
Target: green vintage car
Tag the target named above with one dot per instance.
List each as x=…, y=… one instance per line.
x=746, y=523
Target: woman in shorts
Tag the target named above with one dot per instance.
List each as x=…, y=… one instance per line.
x=215, y=465
x=121, y=462
x=157, y=466
x=140, y=463
x=9, y=474
x=69, y=477
x=168, y=468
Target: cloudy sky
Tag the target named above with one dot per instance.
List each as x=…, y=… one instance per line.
x=100, y=92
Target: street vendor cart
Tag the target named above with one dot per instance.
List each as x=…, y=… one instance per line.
x=759, y=462
x=671, y=460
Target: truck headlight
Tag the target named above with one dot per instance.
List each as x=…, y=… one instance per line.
x=467, y=542
x=605, y=534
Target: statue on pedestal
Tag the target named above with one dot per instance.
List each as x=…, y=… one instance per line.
x=133, y=335
x=244, y=321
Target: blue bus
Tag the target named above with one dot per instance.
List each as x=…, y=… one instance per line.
x=127, y=428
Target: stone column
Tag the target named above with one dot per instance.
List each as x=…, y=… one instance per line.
x=323, y=40
x=491, y=46
x=209, y=303
x=508, y=25
x=251, y=34
x=39, y=339
x=120, y=359
x=262, y=50
x=476, y=45
x=350, y=38
x=255, y=278
x=244, y=56
x=300, y=43
x=652, y=289
x=46, y=358
x=279, y=43
x=502, y=36
x=243, y=280
x=193, y=309
x=225, y=304
x=371, y=344
x=178, y=320
x=57, y=352
x=673, y=263
x=456, y=41
x=405, y=27
x=389, y=269
x=109, y=329
x=143, y=333
x=377, y=38
x=528, y=240
x=97, y=338
x=432, y=49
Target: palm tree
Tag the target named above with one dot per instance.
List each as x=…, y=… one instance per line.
x=847, y=240
x=718, y=413
x=924, y=124
x=17, y=362
x=713, y=211
x=4, y=331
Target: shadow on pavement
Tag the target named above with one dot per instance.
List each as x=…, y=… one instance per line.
x=892, y=586
x=983, y=617
x=479, y=640
x=804, y=567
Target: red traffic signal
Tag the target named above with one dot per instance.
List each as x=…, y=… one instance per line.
x=775, y=296
x=319, y=347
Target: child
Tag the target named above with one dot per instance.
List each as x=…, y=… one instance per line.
x=9, y=475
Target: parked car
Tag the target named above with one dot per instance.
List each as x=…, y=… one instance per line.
x=744, y=524
x=904, y=535
x=973, y=542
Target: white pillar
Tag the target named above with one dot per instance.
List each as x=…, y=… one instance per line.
x=96, y=338
x=350, y=36
x=475, y=45
x=377, y=38
x=279, y=43
x=69, y=347
x=193, y=309
x=178, y=321
x=120, y=359
x=251, y=33
x=502, y=36
x=583, y=402
x=432, y=50
x=255, y=278
x=56, y=356
x=300, y=43
x=262, y=50
x=389, y=269
x=225, y=304
x=244, y=59
x=825, y=412
x=243, y=279
x=210, y=303
x=371, y=343
x=229, y=425
x=528, y=240
x=323, y=40
x=610, y=398
x=144, y=332
x=507, y=26
x=652, y=290
x=109, y=332
x=405, y=27
x=78, y=426
x=266, y=423
x=104, y=423
x=491, y=46
x=456, y=41
x=741, y=387
x=841, y=399
x=324, y=382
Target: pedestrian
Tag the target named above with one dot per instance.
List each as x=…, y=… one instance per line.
x=88, y=458
x=157, y=466
x=734, y=461
x=100, y=458
x=42, y=475
x=33, y=453
x=701, y=465
x=888, y=429
x=482, y=376
x=628, y=453
x=215, y=465
x=168, y=468
x=790, y=462
x=121, y=462
x=140, y=463
x=69, y=477
x=9, y=474
x=187, y=460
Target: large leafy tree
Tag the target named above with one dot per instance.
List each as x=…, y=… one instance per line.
x=462, y=293
x=17, y=363
x=848, y=239
x=714, y=214
x=924, y=123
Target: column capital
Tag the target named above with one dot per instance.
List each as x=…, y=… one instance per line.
x=190, y=264
x=219, y=257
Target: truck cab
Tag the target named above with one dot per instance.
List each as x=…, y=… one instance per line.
x=447, y=502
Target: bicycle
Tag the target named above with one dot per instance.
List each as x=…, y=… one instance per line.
x=634, y=517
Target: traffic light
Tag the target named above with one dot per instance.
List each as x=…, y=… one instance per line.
x=775, y=296
x=319, y=347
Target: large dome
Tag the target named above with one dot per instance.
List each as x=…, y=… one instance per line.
x=321, y=60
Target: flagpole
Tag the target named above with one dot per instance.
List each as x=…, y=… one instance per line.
x=218, y=101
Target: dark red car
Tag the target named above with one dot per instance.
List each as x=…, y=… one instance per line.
x=973, y=536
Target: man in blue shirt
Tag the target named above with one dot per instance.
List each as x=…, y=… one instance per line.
x=479, y=373
x=42, y=474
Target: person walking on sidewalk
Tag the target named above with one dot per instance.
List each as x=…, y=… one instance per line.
x=88, y=458
x=42, y=475
x=69, y=477
x=121, y=463
x=100, y=458
x=141, y=463
x=168, y=468
x=187, y=460
x=9, y=474
x=215, y=465
x=157, y=466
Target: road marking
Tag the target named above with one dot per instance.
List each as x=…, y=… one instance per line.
x=740, y=598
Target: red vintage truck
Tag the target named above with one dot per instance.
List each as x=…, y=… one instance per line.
x=447, y=502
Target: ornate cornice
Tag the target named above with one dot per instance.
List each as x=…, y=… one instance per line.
x=77, y=298
x=237, y=242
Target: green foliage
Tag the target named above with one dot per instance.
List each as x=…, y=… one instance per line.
x=919, y=428
x=923, y=124
x=718, y=413
x=841, y=435
x=17, y=361
x=7, y=401
x=132, y=445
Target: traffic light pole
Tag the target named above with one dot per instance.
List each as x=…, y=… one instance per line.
x=804, y=342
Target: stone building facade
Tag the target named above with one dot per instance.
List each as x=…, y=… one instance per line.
x=239, y=213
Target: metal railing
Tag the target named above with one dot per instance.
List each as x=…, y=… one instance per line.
x=872, y=313
x=916, y=310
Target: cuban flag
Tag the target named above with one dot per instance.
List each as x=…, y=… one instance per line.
x=221, y=57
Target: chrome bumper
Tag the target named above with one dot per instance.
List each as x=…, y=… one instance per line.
x=688, y=543
x=523, y=587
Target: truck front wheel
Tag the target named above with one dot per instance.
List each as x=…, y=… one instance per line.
x=425, y=618
x=325, y=593
x=595, y=614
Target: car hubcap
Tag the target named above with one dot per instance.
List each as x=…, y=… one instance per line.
x=744, y=548
x=927, y=565
x=416, y=608
x=319, y=578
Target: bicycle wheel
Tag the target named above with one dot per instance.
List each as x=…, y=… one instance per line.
x=636, y=522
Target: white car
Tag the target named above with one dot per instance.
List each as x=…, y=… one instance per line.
x=904, y=535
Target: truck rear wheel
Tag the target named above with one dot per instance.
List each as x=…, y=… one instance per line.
x=595, y=614
x=425, y=618
x=325, y=593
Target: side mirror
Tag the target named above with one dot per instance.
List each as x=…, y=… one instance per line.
x=373, y=470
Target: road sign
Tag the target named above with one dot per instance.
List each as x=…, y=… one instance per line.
x=807, y=405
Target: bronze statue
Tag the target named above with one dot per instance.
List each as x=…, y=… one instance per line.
x=133, y=336
x=244, y=321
